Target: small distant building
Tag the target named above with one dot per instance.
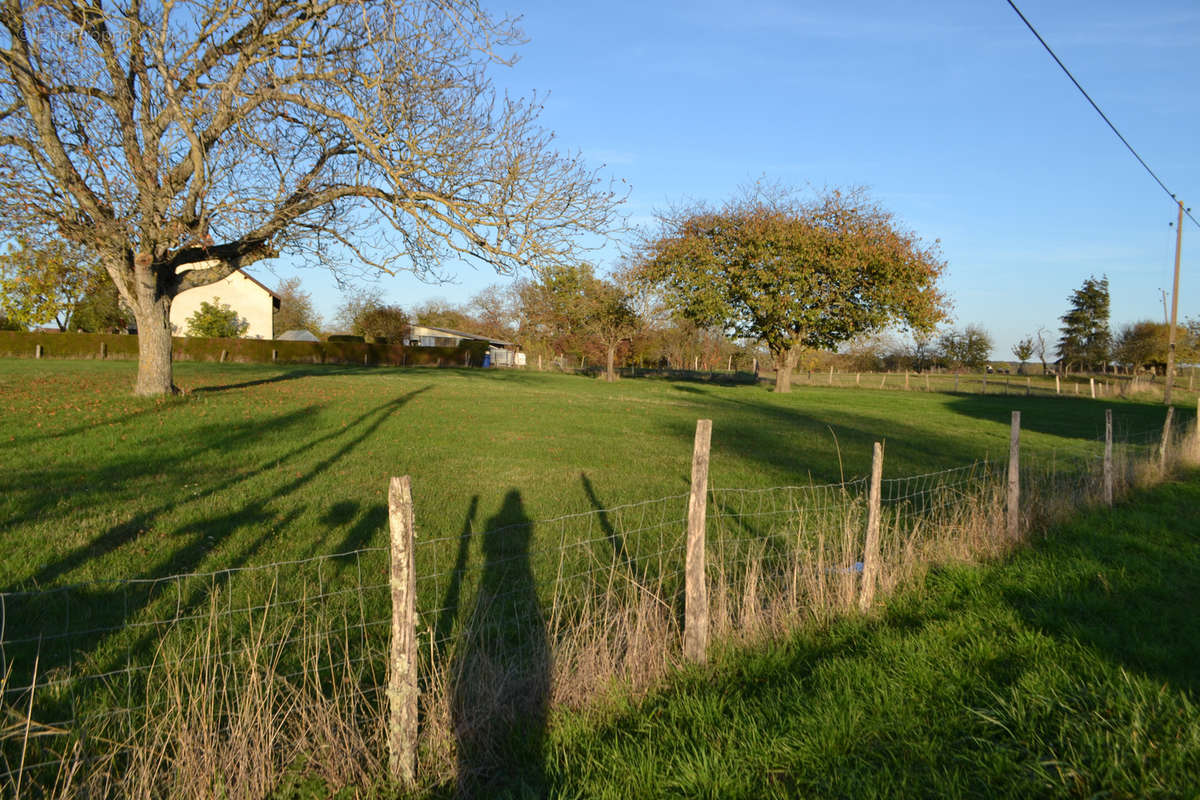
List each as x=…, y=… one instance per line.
x=502, y=353
x=253, y=302
x=298, y=335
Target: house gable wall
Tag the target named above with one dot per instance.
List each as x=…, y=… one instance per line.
x=252, y=302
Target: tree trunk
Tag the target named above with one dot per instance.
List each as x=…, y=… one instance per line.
x=608, y=374
x=152, y=310
x=784, y=364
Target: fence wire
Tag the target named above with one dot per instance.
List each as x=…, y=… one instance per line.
x=82, y=659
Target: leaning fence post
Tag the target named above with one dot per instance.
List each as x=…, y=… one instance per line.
x=1014, y=477
x=871, y=549
x=1108, y=458
x=695, y=612
x=402, y=661
x=1166, y=439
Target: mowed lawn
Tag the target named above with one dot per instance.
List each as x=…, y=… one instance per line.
x=256, y=463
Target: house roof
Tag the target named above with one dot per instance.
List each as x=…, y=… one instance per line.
x=464, y=335
x=297, y=335
x=275, y=299
x=259, y=284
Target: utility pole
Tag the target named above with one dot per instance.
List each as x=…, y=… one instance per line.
x=1174, y=310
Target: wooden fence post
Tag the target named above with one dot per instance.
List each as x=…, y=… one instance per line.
x=104, y=349
x=1092, y=382
x=1108, y=459
x=695, y=611
x=927, y=381
x=37, y=351
x=402, y=661
x=831, y=376
x=1166, y=439
x=1028, y=386
x=224, y=355
x=274, y=355
x=871, y=549
x=906, y=380
x=882, y=382
x=1057, y=384
x=1014, y=477
x=858, y=379
x=1196, y=429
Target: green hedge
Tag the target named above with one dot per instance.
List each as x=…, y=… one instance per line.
x=20, y=344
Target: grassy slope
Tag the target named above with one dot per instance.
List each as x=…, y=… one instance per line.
x=1069, y=671
x=261, y=463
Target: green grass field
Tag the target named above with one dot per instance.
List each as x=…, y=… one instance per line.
x=257, y=464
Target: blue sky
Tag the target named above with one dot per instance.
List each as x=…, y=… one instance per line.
x=950, y=112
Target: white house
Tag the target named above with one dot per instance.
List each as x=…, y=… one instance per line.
x=253, y=302
x=502, y=353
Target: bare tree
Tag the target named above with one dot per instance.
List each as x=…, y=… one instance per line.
x=1040, y=347
x=182, y=141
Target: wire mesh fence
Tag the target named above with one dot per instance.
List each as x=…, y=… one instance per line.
x=509, y=620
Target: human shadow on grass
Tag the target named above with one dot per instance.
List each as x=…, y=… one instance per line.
x=500, y=678
x=1123, y=583
x=447, y=615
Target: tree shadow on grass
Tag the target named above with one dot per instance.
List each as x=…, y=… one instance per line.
x=1075, y=418
x=103, y=624
x=288, y=374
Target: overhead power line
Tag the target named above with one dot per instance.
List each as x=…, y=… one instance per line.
x=1103, y=116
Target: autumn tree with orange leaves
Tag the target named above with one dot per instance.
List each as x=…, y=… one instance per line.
x=797, y=275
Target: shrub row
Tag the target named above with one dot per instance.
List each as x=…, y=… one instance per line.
x=21, y=344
